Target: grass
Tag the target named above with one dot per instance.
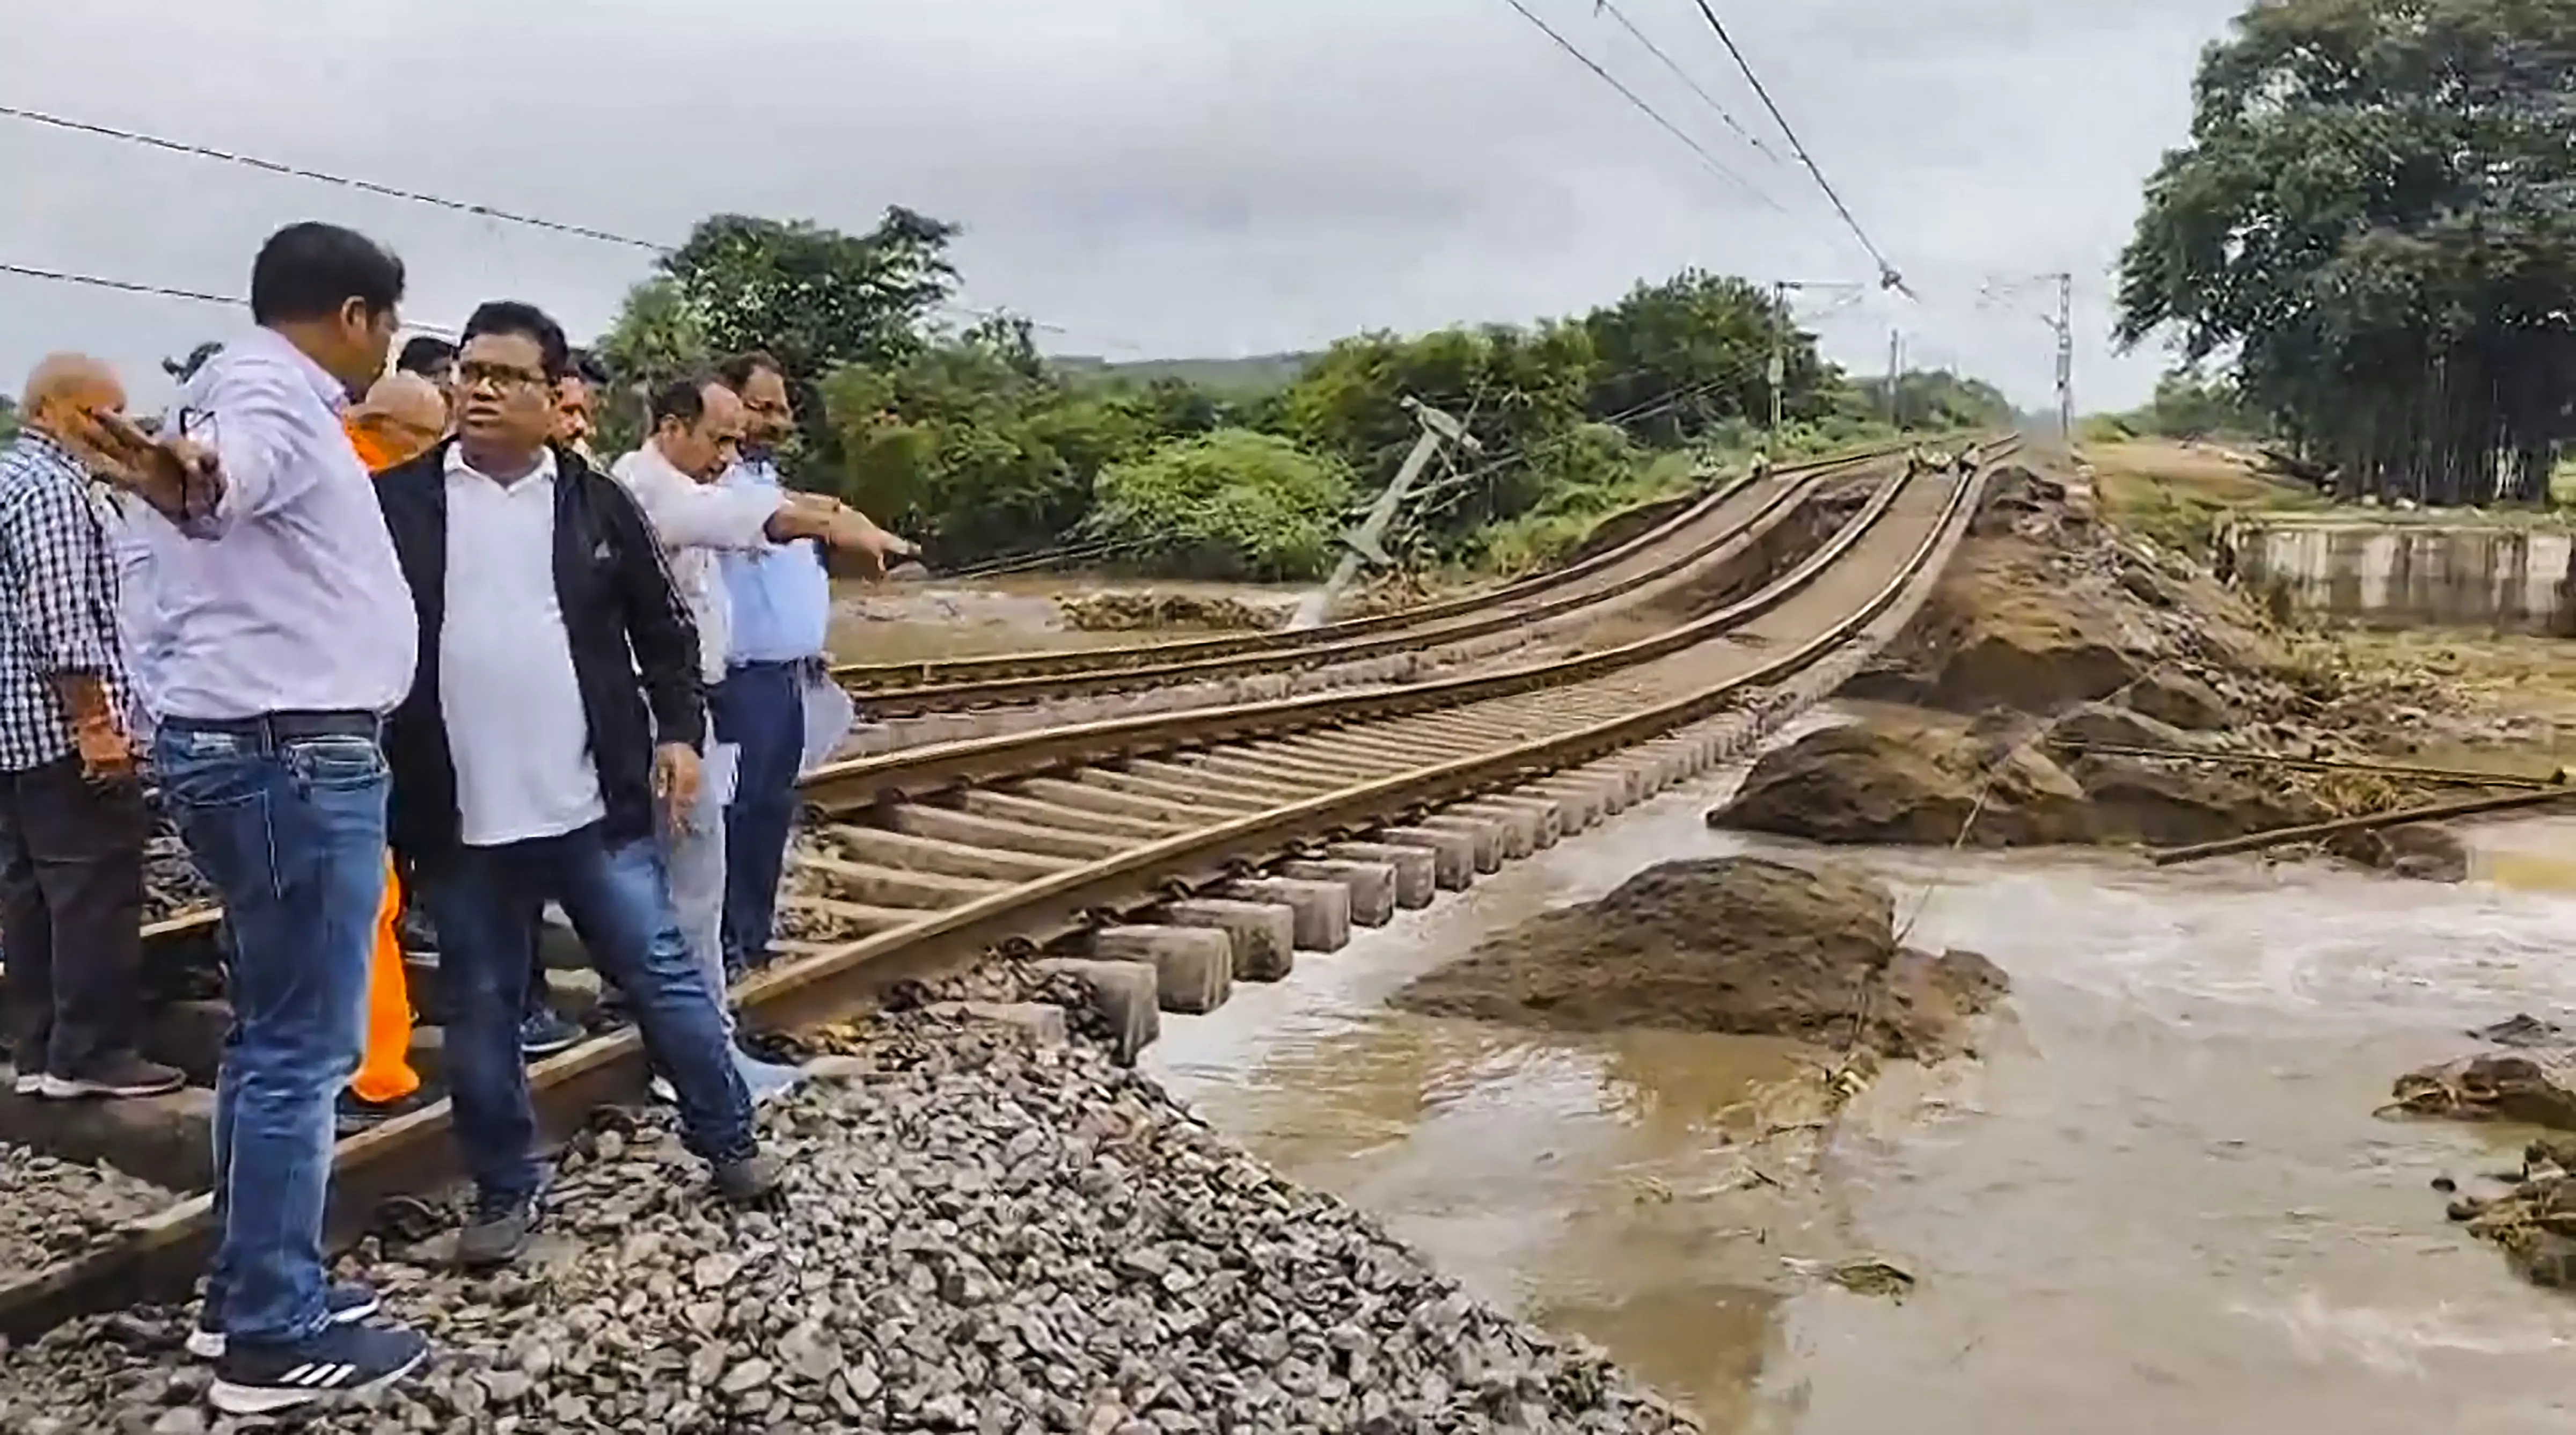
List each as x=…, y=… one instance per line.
x=2178, y=494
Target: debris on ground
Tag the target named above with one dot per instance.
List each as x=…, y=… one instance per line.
x=2533, y=1218
x=1860, y=1277
x=2052, y=630
x=1737, y=945
x=1157, y=609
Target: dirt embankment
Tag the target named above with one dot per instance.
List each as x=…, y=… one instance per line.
x=1734, y=945
x=2054, y=631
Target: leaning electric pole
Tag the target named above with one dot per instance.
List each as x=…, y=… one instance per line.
x=1363, y=545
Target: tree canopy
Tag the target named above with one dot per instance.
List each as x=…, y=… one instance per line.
x=972, y=442
x=2374, y=226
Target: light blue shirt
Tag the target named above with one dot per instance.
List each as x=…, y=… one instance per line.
x=290, y=599
x=781, y=597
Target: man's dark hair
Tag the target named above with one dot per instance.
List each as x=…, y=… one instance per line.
x=587, y=368
x=425, y=354
x=312, y=270
x=509, y=316
x=683, y=398
x=736, y=372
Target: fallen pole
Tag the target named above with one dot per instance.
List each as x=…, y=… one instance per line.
x=2453, y=776
x=2396, y=817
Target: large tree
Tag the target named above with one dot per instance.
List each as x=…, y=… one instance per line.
x=2375, y=221
x=1679, y=358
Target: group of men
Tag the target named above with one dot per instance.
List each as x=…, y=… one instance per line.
x=425, y=635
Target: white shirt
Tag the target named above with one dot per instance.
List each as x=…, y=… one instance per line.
x=695, y=522
x=507, y=691
x=289, y=598
x=138, y=614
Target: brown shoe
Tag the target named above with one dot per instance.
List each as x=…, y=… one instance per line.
x=750, y=1181
x=121, y=1075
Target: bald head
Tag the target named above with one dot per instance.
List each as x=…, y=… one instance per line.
x=398, y=421
x=406, y=398
x=72, y=379
x=63, y=393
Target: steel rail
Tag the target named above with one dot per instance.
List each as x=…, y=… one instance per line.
x=159, y=1255
x=875, y=682
x=199, y=925
x=1784, y=492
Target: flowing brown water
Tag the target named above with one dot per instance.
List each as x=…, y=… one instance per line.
x=2160, y=1203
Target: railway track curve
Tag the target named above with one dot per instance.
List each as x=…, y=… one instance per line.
x=1178, y=853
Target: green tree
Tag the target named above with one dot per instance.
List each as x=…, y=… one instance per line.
x=8, y=418
x=1517, y=390
x=815, y=297
x=1232, y=504
x=1674, y=360
x=2375, y=220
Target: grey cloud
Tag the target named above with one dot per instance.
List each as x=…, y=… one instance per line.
x=1168, y=176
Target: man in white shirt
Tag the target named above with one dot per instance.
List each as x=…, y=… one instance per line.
x=697, y=429
x=557, y=706
x=284, y=634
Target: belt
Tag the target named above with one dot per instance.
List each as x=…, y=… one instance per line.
x=274, y=728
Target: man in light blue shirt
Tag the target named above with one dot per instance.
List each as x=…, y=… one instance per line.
x=284, y=635
x=781, y=604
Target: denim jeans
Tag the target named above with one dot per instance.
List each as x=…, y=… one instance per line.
x=486, y=903
x=693, y=857
x=761, y=708
x=290, y=830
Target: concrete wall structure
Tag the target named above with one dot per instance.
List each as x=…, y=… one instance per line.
x=2406, y=571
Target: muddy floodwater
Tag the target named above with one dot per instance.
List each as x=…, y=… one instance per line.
x=2160, y=1203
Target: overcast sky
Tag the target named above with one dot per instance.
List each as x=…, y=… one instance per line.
x=1148, y=177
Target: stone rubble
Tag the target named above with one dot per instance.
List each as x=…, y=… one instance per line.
x=982, y=1230
x=52, y=1209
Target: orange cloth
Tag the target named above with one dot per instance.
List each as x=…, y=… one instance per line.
x=373, y=450
x=385, y=1073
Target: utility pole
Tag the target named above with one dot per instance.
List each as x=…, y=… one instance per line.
x=1363, y=546
x=2065, y=327
x=1776, y=376
x=1895, y=367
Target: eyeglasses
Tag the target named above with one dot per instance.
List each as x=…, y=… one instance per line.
x=499, y=376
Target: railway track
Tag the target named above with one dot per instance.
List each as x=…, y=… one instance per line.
x=1718, y=518
x=1168, y=856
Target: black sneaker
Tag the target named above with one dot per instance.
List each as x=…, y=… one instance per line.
x=355, y=1113
x=543, y=1033
x=499, y=1232
x=749, y=1181
x=347, y=1305
x=337, y=1360
x=121, y=1075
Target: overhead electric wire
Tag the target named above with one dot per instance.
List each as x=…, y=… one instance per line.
x=1888, y=277
x=1604, y=7
x=413, y=196
x=1711, y=161
x=129, y=286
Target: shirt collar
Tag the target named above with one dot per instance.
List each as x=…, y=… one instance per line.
x=456, y=464
x=53, y=450
x=330, y=390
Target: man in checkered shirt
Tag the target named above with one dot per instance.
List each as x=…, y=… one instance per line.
x=72, y=818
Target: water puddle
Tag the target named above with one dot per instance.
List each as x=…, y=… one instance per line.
x=2159, y=1203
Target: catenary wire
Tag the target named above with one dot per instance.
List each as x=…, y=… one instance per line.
x=1714, y=165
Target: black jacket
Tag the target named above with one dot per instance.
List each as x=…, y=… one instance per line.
x=623, y=619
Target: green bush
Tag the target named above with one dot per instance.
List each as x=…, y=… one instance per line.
x=1232, y=504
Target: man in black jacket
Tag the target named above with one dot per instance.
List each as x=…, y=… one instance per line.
x=528, y=760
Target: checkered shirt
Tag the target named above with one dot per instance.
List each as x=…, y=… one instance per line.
x=57, y=598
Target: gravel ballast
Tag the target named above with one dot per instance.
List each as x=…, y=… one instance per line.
x=982, y=1230
x=51, y=1210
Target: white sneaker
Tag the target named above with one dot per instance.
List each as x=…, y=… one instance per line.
x=30, y=1083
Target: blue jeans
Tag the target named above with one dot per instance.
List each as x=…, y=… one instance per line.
x=761, y=708
x=290, y=829
x=486, y=903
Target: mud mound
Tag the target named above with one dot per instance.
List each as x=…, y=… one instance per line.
x=2531, y=1084
x=1734, y=945
x=1920, y=778
x=1909, y=779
